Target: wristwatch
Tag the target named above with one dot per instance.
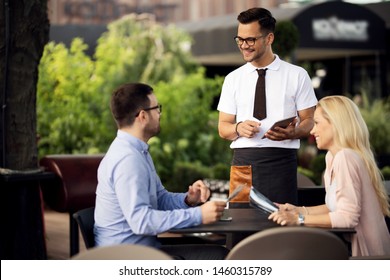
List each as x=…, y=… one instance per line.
x=301, y=219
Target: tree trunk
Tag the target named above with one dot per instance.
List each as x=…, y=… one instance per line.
x=24, y=31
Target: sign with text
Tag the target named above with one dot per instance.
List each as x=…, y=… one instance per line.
x=340, y=25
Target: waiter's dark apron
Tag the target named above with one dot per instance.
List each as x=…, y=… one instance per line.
x=274, y=171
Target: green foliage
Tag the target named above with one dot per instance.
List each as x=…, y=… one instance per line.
x=221, y=171
x=317, y=166
x=186, y=173
x=307, y=172
x=67, y=116
x=286, y=38
x=376, y=114
x=386, y=172
x=136, y=49
x=74, y=90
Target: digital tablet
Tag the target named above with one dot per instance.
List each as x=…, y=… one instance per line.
x=282, y=123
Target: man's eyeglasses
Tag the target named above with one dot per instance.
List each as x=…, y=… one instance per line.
x=158, y=107
x=250, y=41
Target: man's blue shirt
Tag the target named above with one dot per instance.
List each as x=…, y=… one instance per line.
x=132, y=205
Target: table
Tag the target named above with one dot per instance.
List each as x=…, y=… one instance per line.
x=245, y=221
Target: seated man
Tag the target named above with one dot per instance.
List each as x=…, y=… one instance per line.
x=132, y=205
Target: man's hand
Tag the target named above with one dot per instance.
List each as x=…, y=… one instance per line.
x=212, y=211
x=248, y=128
x=294, y=131
x=197, y=193
x=280, y=134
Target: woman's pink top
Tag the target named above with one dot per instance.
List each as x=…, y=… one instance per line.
x=353, y=203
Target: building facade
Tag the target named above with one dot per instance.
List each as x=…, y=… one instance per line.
x=62, y=12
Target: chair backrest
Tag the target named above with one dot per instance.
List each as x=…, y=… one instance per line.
x=290, y=243
x=122, y=252
x=74, y=186
x=86, y=220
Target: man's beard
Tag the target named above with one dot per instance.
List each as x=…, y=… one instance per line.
x=153, y=131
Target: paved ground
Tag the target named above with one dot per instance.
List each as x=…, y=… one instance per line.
x=57, y=235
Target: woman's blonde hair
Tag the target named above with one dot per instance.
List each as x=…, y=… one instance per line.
x=350, y=131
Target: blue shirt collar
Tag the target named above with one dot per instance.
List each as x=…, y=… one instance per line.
x=133, y=141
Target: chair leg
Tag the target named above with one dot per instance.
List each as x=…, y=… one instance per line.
x=74, y=236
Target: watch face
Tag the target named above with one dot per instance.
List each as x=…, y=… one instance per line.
x=301, y=219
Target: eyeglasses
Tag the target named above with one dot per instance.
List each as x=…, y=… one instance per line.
x=158, y=107
x=250, y=41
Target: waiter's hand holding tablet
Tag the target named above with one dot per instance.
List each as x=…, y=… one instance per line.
x=282, y=123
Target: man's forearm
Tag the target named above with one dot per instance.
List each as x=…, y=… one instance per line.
x=304, y=128
x=227, y=131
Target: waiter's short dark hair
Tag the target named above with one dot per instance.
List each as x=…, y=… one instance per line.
x=264, y=17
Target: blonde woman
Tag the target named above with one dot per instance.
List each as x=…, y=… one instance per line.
x=355, y=194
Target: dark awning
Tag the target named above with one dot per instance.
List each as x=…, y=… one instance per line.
x=327, y=30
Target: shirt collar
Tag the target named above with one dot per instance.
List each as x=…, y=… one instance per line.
x=274, y=65
x=134, y=141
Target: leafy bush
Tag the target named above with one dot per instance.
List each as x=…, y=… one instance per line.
x=68, y=113
x=308, y=173
x=317, y=166
x=286, y=38
x=376, y=114
x=73, y=89
x=186, y=173
x=221, y=171
x=386, y=172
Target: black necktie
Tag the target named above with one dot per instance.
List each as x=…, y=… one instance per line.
x=260, y=110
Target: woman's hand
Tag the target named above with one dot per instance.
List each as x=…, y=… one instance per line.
x=287, y=207
x=286, y=216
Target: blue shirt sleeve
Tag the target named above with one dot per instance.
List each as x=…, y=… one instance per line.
x=148, y=207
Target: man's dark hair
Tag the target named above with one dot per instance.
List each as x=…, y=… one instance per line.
x=264, y=17
x=128, y=100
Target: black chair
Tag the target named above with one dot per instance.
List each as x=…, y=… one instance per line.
x=86, y=220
